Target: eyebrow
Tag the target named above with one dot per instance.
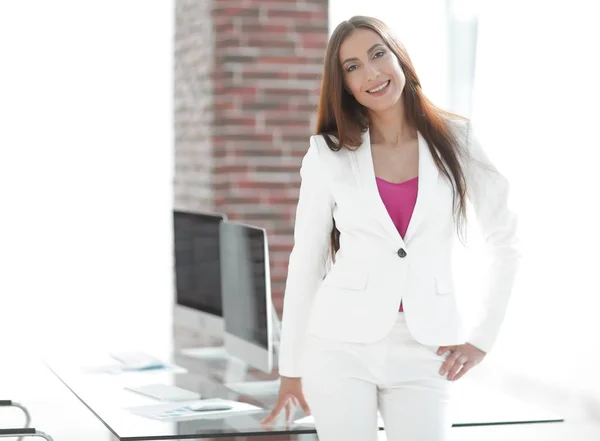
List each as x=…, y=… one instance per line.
x=369, y=51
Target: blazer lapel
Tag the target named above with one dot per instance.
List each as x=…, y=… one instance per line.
x=365, y=176
x=361, y=160
x=428, y=175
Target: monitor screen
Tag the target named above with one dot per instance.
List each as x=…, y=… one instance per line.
x=197, y=261
x=246, y=283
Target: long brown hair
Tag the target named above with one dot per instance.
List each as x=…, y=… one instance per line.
x=341, y=116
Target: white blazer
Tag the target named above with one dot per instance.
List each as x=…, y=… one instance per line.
x=358, y=299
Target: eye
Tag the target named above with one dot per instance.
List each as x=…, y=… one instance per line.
x=379, y=54
x=351, y=68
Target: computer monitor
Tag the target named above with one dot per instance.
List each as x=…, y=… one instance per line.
x=246, y=290
x=197, y=265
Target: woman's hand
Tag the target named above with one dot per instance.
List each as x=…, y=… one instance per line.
x=460, y=361
x=290, y=393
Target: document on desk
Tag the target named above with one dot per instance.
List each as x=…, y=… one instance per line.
x=124, y=363
x=182, y=411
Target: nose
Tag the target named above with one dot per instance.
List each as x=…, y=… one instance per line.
x=372, y=72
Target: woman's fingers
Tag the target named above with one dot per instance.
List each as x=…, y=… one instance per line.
x=281, y=402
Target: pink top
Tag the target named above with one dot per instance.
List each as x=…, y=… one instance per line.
x=399, y=199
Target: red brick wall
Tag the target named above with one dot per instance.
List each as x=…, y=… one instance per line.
x=247, y=73
x=268, y=57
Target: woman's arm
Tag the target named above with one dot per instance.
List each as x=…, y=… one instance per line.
x=488, y=191
x=307, y=262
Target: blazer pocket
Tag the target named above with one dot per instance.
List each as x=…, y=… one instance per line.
x=349, y=277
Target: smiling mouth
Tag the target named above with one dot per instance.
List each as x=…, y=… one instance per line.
x=379, y=88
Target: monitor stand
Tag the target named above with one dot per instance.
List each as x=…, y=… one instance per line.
x=236, y=380
x=256, y=388
x=237, y=370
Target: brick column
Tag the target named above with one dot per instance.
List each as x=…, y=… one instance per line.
x=264, y=60
x=193, y=105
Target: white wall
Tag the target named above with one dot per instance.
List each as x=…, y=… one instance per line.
x=536, y=100
x=85, y=173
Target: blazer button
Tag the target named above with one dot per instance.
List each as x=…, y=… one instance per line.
x=401, y=252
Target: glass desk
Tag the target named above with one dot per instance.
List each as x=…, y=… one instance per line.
x=105, y=396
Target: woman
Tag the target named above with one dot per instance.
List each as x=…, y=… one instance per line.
x=385, y=185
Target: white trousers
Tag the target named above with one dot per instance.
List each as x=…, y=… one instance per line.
x=345, y=384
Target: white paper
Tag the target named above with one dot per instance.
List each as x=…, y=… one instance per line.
x=120, y=369
x=180, y=412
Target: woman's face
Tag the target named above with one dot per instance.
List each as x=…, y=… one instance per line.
x=372, y=73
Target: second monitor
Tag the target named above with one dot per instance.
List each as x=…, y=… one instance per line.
x=246, y=294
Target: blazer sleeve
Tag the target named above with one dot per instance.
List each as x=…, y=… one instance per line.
x=488, y=192
x=307, y=262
